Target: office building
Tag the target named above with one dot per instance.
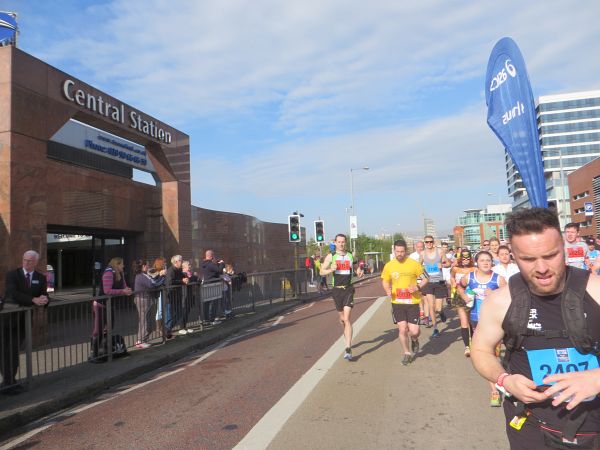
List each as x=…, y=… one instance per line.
x=480, y=224
x=428, y=227
x=569, y=128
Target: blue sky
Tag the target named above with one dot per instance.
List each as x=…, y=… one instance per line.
x=281, y=99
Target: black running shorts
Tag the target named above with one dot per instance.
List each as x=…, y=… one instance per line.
x=438, y=289
x=405, y=313
x=343, y=297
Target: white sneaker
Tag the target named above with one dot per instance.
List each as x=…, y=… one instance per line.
x=190, y=330
x=183, y=331
x=216, y=322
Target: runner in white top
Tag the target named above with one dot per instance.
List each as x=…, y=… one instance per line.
x=506, y=268
x=417, y=255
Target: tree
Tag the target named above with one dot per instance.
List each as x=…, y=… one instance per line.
x=366, y=243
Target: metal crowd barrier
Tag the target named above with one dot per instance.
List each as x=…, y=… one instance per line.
x=38, y=341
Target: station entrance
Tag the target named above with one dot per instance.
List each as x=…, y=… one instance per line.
x=77, y=257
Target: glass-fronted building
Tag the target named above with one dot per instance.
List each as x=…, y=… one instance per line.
x=569, y=129
x=480, y=224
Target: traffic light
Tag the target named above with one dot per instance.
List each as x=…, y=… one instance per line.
x=294, y=228
x=319, y=231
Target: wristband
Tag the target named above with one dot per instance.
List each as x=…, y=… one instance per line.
x=501, y=378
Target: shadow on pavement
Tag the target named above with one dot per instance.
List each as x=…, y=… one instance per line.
x=381, y=340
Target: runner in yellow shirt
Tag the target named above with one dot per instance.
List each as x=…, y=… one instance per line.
x=399, y=280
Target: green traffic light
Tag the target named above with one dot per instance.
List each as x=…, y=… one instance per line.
x=294, y=236
x=319, y=238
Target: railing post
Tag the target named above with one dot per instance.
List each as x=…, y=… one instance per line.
x=270, y=285
x=109, y=328
x=253, y=296
x=28, y=345
x=230, y=292
x=163, y=313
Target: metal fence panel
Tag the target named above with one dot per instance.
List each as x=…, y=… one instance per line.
x=37, y=341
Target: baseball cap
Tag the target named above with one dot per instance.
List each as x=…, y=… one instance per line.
x=590, y=240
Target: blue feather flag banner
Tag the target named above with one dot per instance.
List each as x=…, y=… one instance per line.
x=512, y=117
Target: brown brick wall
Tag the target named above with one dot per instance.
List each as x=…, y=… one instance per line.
x=248, y=243
x=580, y=181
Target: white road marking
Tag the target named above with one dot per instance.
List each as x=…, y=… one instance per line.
x=26, y=436
x=302, y=308
x=279, y=319
x=271, y=423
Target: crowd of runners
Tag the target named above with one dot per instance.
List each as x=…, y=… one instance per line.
x=423, y=285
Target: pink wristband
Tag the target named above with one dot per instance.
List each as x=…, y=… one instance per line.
x=501, y=378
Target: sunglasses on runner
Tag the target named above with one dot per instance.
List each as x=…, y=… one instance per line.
x=429, y=242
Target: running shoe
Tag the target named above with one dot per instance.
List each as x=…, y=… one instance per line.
x=348, y=354
x=428, y=323
x=190, y=330
x=415, y=346
x=142, y=345
x=407, y=359
x=436, y=333
x=442, y=316
x=467, y=352
x=183, y=332
x=495, y=399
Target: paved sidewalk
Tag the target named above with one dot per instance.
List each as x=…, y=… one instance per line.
x=437, y=402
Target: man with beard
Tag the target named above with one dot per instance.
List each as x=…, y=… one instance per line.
x=549, y=318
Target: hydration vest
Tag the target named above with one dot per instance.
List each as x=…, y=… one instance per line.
x=517, y=316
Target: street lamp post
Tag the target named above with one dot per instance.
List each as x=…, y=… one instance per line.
x=563, y=197
x=352, y=199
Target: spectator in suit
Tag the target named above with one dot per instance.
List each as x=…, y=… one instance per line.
x=26, y=287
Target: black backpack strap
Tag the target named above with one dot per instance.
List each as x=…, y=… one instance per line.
x=517, y=315
x=549, y=334
x=572, y=309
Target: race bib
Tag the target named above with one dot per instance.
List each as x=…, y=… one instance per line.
x=558, y=360
x=403, y=296
x=575, y=252
x=342, y=265
x=432, y=268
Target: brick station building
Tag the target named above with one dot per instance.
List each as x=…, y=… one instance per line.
x=68, y=154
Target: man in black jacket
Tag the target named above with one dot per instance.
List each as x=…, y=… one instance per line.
x=211, y=272
x=26, y=287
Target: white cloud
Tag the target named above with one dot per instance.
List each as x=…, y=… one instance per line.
x=323, y=62
x=420, y=167
x=343, y=83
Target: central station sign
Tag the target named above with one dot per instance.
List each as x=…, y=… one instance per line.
x=117, y=113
